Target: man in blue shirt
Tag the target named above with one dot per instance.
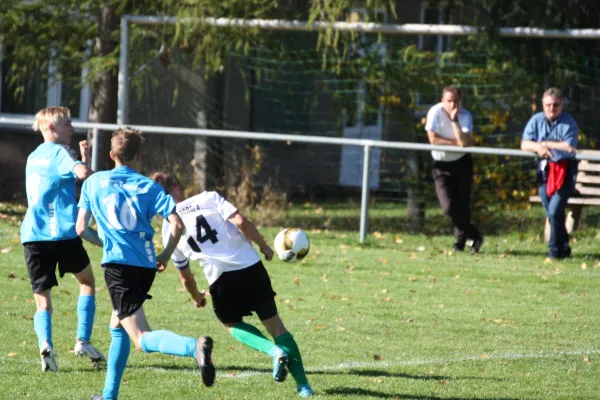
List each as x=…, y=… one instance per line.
x=552, y=134
x=48, y=231
x=123, y=203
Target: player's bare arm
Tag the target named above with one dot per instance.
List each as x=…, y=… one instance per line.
x=84, y=149
x=175, y=231
x=82, y=171
x=82, y=226
x=249, y=230
x=189, y=283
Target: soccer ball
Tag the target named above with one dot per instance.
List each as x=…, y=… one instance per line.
x=291, y=245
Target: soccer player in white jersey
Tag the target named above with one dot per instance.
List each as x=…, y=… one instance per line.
x=123, y=202
x=219, y=237
x=48, y=231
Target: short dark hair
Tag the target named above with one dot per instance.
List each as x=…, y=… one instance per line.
x=453, y=89
x=168, y=182
x=126, y=143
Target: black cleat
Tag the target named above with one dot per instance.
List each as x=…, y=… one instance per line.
x=204, y=347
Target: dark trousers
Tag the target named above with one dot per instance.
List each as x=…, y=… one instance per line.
x=555, y=210
x=453, y=182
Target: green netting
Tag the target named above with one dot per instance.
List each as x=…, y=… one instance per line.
x=292, y=87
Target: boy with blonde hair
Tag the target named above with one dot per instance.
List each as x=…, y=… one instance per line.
x=48, y=231
x=123, y=203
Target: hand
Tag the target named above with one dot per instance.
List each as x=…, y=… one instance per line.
x=571, y=149
x=200, y=299
x=543, y=151
x=268, y=252
x=161, y=262
x=85, y=151
x=454, y=113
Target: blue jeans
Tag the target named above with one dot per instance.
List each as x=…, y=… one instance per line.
x=555, y=210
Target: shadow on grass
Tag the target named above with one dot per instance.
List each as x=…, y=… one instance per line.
x=354, y=391
x=383, y=373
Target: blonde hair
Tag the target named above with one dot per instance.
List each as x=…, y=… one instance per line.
x=50, y=115
x=126, y=143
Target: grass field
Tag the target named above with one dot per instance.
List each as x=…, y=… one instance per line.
x=398, y=318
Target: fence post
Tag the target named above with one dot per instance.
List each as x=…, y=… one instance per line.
x=95, y=141
x=364, y=202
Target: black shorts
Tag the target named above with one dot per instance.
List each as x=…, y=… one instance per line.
x=42, y=257
x=128, y=287
x=236, y=294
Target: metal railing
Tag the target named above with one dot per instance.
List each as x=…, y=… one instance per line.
x=367, y=146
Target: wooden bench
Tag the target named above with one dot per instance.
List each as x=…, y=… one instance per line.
x=588, y=186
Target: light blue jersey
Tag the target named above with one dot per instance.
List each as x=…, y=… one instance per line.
x=123, y=202
x=51, y=199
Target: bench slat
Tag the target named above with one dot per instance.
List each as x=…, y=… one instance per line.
x=585, y=165
x=586, y=190
x=572, y=200
x=582, y=177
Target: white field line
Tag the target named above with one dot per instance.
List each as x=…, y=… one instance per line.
x=345, y=365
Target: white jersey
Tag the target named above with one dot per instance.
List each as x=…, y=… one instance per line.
x=439, y=122
x=210, y=238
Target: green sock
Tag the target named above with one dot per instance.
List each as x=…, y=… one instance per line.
x=251, y=337
x=295, y=366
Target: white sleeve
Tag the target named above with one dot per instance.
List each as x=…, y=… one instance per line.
x=223, y=207
x=433, y=120
x=179, y=259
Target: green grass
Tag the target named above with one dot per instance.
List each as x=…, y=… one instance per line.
x=398, y=318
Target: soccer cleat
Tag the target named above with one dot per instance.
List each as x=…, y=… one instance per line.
x=85, y=349
x=280, y=360
x=48, y=360
x=458, y=247
x=305, y=391
x=96, y=397
x=204, y=347
x=477, y=243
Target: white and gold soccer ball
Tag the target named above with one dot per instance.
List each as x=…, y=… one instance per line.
x=291, y=245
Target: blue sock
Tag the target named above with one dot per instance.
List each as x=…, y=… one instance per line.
x=86, y=309
x=118, y=353
x=42, y=325
x=166, y=342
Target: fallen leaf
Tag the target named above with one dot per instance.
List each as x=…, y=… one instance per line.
x=12, y=275
x=584, y=266
x=377, y=357
x=12, y=354
x=28, y=317
x=319, y=327
x=6, y=250
x=397, y=240
x=324, y=278
x=297, y=281
x=421, y=248
x=412, y=278
x=547, y=260
x=484, y=356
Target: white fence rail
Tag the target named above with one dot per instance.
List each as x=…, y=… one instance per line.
x=367, y=146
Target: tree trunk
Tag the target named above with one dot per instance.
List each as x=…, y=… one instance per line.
x=105, y=86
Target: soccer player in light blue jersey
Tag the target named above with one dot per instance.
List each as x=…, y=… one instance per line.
x=123, y=203
x=48, y=231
